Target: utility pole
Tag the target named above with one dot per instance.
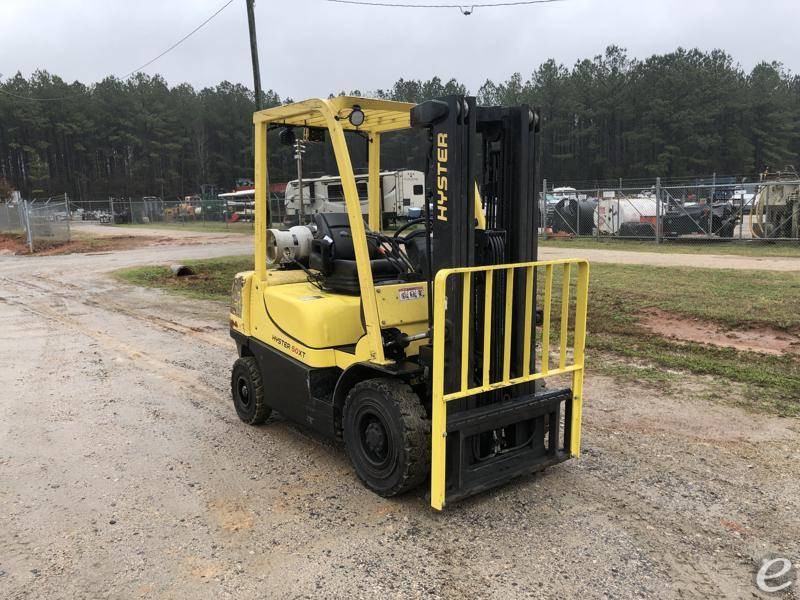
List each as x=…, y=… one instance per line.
x=251, y=21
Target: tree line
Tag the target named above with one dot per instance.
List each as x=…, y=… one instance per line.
x=682, y=114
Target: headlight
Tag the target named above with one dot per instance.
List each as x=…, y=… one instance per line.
x=236, y=296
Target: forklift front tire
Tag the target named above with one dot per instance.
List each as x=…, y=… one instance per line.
x=247, y=390
x=386, y=435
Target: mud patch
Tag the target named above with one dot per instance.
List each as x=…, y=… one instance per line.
x=765, y=340
x=11, y=244
x=15, y=244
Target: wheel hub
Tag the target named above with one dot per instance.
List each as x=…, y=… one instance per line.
x=244, y=392
x=375, y=438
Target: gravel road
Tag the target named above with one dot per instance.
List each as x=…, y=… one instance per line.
x=124, y=473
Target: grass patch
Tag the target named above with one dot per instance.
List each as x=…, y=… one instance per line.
x=200, y=226
x=772, y=382
x=756, y=249
x=619, y=294
x=211, y=281
x=734, y=298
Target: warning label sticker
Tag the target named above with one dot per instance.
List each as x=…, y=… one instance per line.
x=410, y=293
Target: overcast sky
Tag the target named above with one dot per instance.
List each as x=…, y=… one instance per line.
x=311, y=47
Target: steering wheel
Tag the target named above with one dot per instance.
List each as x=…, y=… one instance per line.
x=411, y=235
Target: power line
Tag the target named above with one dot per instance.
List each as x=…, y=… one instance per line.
x=180, y=41
x=136, y=70
x=466, y=9
x=19, y=97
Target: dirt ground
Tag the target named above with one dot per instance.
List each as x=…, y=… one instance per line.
x=124, y=473
x=15, y=244
x=765, y=340
x=174, y=235
x=94, y=238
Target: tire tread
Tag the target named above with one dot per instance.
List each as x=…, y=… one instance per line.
x=416, y=428
x=262, y=411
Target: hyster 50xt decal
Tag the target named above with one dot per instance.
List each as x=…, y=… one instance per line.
x=441, y=176
x=289, y=346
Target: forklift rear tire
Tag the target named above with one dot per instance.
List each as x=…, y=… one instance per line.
x=247, y=390
x=386, y=436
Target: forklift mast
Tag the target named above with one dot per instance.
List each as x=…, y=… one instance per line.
x=481, y=169
x=481, y=178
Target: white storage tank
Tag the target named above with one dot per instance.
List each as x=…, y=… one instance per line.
x=613, y=211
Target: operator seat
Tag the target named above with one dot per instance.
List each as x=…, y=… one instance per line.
x=333, y=255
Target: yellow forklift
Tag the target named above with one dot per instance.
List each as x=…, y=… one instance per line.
x=424, y=349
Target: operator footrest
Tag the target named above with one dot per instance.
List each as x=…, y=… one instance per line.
x=490, y=445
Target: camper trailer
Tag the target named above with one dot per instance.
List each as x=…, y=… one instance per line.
x=402, y=191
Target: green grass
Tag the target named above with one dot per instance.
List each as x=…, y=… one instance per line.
x=757, y=249
x=620, y=294
x=208, y=226
x=617, y=345
x=212, y=279
x=733, y=298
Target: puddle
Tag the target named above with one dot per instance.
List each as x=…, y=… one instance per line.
x=765, y=340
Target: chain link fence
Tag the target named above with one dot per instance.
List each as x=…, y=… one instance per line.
x=12, y=218
x=721, y=210
x=48, y=222
x=213, y=212
x=40, y=223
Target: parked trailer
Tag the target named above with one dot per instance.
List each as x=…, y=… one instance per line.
x=402, y=191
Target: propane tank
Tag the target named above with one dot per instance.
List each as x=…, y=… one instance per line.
x=286, y=247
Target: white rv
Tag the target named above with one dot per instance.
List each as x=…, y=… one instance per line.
x=401, y=191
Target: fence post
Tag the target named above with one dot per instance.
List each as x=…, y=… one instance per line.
x=658, y=210
x=711, y=205
x=596, y=215
x=741, y=211
x=69, y=217
x=28, y=224
x=544, y=207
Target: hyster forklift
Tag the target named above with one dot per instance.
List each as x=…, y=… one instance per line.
x=423, y=349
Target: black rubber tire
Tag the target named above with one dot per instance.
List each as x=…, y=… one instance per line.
x=247, y=389
x=392, y=405
x=727, y=230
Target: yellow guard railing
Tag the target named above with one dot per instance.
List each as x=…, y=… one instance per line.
x=528, y=270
